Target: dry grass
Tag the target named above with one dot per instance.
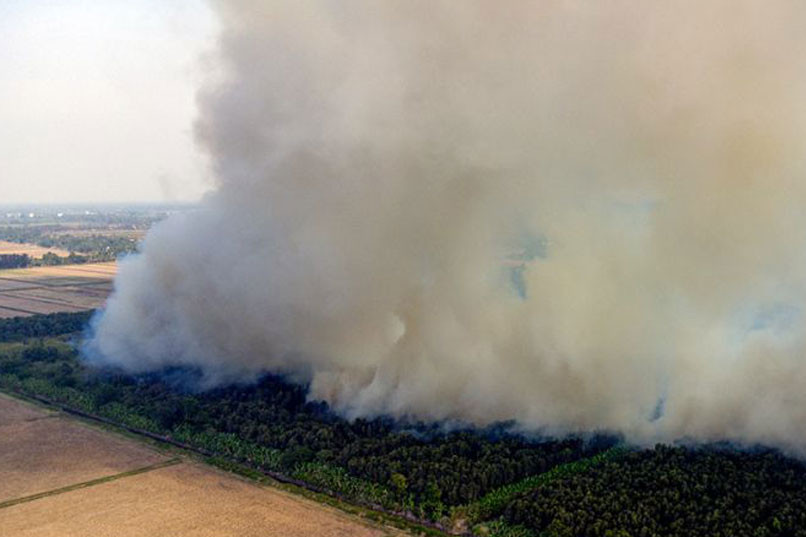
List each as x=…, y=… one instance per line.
x=40, y=452
x=31, y=249
x=90, y=271
x=13, y=411
x=188, y=499
x=52, y=289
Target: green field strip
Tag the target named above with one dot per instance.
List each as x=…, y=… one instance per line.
x=491, y=504
x=92, y=483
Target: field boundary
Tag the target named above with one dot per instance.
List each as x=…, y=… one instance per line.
x=91, y=483
x=17, y=310
x=376, y=513
x=483, y=512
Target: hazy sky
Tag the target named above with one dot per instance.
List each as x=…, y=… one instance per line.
x=97, y=99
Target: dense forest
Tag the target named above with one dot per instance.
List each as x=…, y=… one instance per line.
x=673, y=492
x=491, y=481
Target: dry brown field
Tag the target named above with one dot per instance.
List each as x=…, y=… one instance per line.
x=31, y=249
x=45, y=452
x=35, y=290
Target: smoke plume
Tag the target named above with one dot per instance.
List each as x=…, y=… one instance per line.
x=578, y=215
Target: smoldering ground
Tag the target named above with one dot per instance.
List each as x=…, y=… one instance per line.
x=385, y=169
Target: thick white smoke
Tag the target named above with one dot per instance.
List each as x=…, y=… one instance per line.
x=579, y=215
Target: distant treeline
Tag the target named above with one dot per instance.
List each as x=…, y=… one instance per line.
x=93, y=247
x=39, y=326
x=11, y=261
x=500, y=483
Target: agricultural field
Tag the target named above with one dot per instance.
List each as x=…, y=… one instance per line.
x=31, y=250
x=38, y=451
x=64, y=478
x=54, y=289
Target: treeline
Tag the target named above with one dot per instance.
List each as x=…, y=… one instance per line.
x=12, y=261
x=416, y=468
x=40, y=326
x=672, y=492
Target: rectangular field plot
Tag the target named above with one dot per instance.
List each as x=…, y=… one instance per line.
x=54, y=289
x=88, y=273
x=62, y=478
x=187, y=500
x=10, y=285
x=12, y=302
x=68, y=296
x=41, y=452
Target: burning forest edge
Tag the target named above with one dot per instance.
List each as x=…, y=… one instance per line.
x=490, y=482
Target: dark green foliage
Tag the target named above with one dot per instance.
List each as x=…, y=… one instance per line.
x=51, y=259
x=493, y=503
x=673, y=492
x=296, y=456
x=11, y=261
x=37, y=326
x=271, y=425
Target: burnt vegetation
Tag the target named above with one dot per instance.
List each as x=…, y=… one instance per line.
x=492, y=479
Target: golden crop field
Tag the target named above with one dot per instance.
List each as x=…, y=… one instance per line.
x=31, y=249
x=63, y=478
x=68, y=288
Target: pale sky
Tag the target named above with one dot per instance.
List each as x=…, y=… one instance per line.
x=97, y=99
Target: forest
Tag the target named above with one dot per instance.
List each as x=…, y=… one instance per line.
x=712, y=491
x=490, y=482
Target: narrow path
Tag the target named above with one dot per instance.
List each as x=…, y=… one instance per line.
x=86, y=484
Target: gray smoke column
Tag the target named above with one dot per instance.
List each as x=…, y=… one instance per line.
x=578, y=215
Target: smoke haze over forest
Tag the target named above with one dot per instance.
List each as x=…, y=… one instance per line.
x=577, y=215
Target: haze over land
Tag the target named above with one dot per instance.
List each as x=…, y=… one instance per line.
x=386, y=171
x=97, y=100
